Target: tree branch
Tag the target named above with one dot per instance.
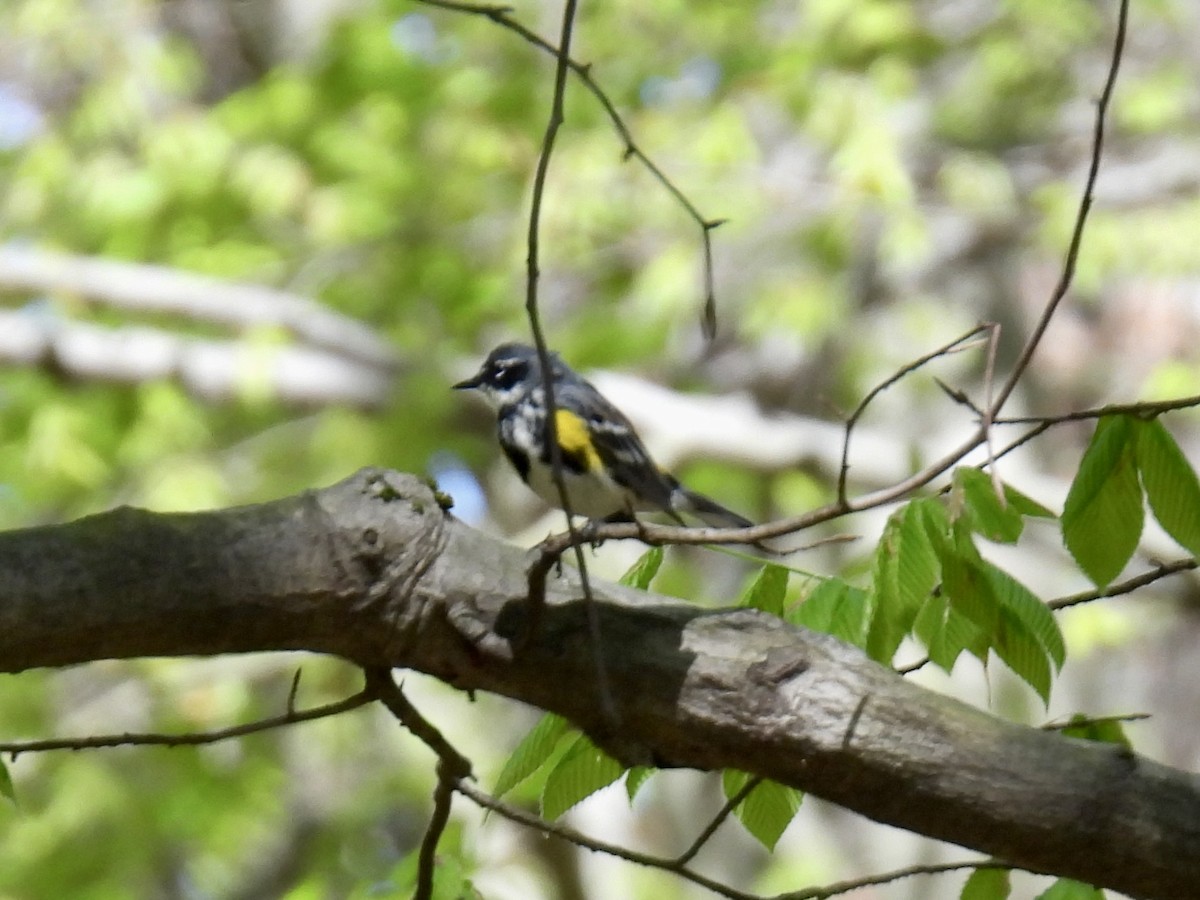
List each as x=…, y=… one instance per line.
x=374, y=571
x=158, y=289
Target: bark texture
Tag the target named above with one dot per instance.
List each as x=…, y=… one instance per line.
x=374, y=571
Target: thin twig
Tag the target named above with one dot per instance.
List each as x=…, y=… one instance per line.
x=711, y=828
x=1085, y=721
x=443, y=798
x=293, y=690
x=989, y=414
x=1161, y=570
x=501, y=16
x=523, y=817
x=883, y=386
x=537, y=597
x=1085, y=205
x=291, y=717
x=1146, y=408
x=386, y=691
x=846, y=887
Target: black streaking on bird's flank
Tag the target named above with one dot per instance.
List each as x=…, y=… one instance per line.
x=607, y=471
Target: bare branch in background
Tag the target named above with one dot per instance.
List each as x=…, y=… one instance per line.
x=139, y=287
x=212, y=370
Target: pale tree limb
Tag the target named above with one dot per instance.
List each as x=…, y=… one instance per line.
x=140, y=287
x=374, y=571
x=216, y=371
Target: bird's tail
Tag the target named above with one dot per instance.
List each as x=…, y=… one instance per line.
x=709, y=511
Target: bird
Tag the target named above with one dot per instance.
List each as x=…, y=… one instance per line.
x=608, y=473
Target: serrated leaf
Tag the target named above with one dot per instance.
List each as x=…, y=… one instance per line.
x=1171, y=484
x=635, y=778
x=1103, y=516
x=885, y=631
x=904, y=573
x=1022, y=653
x=917, y=564
x=767, y=810
x=1104, y=731
x=642, y=572
x=535, y=749
x=965, y=581
x=943, y=643
x=581, y=771
x=1066, y=889
x=1026, y=505
x=768, y=590
x=836, y=608
x=987, y=884
x=995, y=521
x=6, y=784
x=1034, y=615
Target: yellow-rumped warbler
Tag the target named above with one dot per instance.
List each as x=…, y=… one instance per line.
x=606, y=468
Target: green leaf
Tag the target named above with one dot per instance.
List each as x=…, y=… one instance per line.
x=995, y=521
x=905, y=570
x=1034, y=615
x=535, y=749
x=642, y=572
x=1171, y=484
x=1022, y=653
x=918, y=567
x=946, y=633
x=768, y=590
x=767, y=810
x=635, y=778
x=986, y=884
x=581, y=771
x=965, y=581
x=1066, y=889
x=836, y=608
x=6, y=784
x=1026, y=505
x=1102, y=518
x=1104, y=731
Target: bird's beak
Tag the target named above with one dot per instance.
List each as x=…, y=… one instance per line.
x=471, y=383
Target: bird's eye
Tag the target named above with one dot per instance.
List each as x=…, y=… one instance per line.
x=509, y=374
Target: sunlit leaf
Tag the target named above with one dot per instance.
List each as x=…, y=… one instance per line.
x=1102, y=518
x=1034, y=615
x=535, y=749
x=1022, y=653
x=904, y=572
x=1104, y=731
x=1170, y=482
x=986, y=884
x=768, y=590
x=642, y=572
x=767, y=810
x=635, y=778
x=836, y=608
x=1066, y=889
x=995, y=521
x=581, y=771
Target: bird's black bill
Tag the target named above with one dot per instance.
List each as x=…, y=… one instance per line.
x=469, y=384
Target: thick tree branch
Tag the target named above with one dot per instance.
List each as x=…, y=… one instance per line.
x=373, y=570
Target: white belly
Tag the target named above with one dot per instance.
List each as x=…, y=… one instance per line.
x=595, y=496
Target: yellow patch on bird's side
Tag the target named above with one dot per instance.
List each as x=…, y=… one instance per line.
x=574, y=439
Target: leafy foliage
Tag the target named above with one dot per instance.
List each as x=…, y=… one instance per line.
x=767, y=810
x=1102, y=518
x=986, y=884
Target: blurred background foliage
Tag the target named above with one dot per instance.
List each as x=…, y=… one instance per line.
x=891, y=172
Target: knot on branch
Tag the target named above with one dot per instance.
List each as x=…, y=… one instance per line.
x=395, y=528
